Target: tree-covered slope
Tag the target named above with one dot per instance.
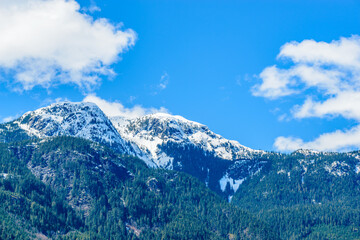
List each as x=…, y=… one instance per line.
x=307, y=195
x=69, y=188
x=28, y=206
x=160, y=140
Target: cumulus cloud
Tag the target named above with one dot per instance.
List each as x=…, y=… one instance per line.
x=114, y=109
x=334, y=141
x=344, y=104
x=47, y=42
x=275, y=83
x=333, y=71
x=331, y=68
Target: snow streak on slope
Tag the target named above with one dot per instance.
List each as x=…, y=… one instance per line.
x=84, y=120
x=234, y=184
x=150, y=131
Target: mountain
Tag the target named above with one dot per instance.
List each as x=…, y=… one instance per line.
x=160, y=140
x=84, y=120
x=126, y=180
x=173, y=142
x=71, y=188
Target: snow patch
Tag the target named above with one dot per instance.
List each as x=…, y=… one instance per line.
x=234, y=184
x=4, y=175
x=338, y=168
x=357, y=168
x=207, y=177
x=164, y=161
x=307, y=152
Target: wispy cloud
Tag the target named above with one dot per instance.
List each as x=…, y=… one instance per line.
x=48, y=101
x=132, y=99
x=333, y=70
x=51, y=42
x=92, y=8
x=162, y=84
x=113, y=109
x=164, y=81
x=240, y=79
x=10, y=118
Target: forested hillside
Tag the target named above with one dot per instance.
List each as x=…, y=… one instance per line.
x=58, y=186
x=69, y=188
x=160, y=140
x=307, y=195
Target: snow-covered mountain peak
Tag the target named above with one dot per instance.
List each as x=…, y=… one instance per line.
x=166, y=117
x=161, y=140
x=154, y=138
x=85, y=120
x=306, y=152
x=149, y=132
x=165, y=126
x=58, y=111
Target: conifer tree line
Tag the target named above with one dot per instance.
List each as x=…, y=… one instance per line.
x=71, y=188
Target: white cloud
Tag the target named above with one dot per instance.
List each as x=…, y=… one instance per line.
x=328, y=67
x=113, y=109
x=10, y=118
x=132, y=99
x=46, y=42
x=345, y=104
x=164, y=81
x=334, y=141
x=92, y=8
x=344, y=52
x=162, y=85
x=276, y=83
x=49, y=101
x=333, y=71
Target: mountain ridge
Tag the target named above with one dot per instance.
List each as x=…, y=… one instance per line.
x=84, y=120
x=161, y=140
x=304, y=194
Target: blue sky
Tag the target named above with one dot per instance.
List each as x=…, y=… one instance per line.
x=214, y=62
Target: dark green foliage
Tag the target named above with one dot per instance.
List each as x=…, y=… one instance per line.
x=83, y=190
x=29, y=200
x=111, y=197
x=9, y=227
x=306, y=197
x=194, y=161
x=10, y=132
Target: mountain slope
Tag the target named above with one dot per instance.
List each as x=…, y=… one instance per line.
x=307, y=195
x=304, y=195
x=112, y=196
x=151, y=131
x=161, y=140
x=173, y=142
